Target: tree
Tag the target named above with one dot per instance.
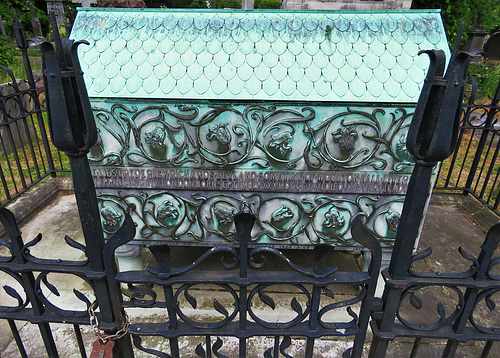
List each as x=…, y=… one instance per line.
x=470, y=12
x=8, y=9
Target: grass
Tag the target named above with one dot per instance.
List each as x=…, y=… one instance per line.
x=482, y=184
x=487, y=76
x=17, y=68
x=484, y=179
x=27, y=163
x=32, y=52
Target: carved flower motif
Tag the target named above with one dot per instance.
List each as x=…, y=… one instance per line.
x=345, y=137
x=281, y=142
x=167, y=210
x=281, y=214
x=224, y=215
x=333, y=219
x=110, y=215
x=156, y=137
x=392, y=219
x=220, y=132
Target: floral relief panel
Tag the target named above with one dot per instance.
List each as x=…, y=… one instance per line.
x=305, y=171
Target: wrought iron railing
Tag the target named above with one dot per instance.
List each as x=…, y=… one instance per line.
x=454, y=317
x=26, y=153
x=474, y=167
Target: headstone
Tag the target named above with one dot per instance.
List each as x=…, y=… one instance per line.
x=68, y=25
x=2, y=27
x=475, y=41
x=247, y=4
x=85, y=3
x=57, y=7
x=35, y=22
x=492, y=47
x=346, y=5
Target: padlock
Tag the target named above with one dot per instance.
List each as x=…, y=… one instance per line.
x=102, y=349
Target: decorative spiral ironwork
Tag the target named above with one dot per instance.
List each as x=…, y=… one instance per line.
x=10, y=291
x=487, y=296
x=300, y=312
x=43, y=278
x=228, y=316
x=444, y=319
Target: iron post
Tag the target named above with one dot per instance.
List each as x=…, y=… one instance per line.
x=73, y=131
x=432, y=137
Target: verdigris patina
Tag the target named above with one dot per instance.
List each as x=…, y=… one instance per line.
x=298, y=117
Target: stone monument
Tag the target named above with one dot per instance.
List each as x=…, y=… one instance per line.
x=492, y=47
x=57, y=7
x=2, y=28
x=35, y=22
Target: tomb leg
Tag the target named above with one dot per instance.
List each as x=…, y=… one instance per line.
x=129, y=258
x=386, y=259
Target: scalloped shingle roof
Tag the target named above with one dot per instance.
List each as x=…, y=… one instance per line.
x=272, y=55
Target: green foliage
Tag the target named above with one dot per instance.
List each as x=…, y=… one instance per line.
x=470, y=12
x=487, y=76
x=17, y=68
x=9, y=7
x=228, y=4
x=6, y=52
x=492, y=80
x=268, y=4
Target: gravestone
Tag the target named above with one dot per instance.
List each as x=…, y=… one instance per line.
x=35, y=22
x=2, y=28
x=298, y=117
x=492, y=47
x=57, y=7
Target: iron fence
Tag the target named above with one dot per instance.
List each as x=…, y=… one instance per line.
x=26, y=153
x=474, y=167
x=455, y=321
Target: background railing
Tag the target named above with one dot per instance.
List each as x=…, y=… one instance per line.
x=27, y=155
x=474, y=167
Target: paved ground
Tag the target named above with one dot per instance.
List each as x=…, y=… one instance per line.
x=446, y=229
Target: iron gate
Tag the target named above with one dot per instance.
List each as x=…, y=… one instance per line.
x=26, y=155
x=246, y=274
x=473, y=168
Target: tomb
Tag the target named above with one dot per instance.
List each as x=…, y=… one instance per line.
x=298, y=117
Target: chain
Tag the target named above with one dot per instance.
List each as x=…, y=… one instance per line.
x=103, y=337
